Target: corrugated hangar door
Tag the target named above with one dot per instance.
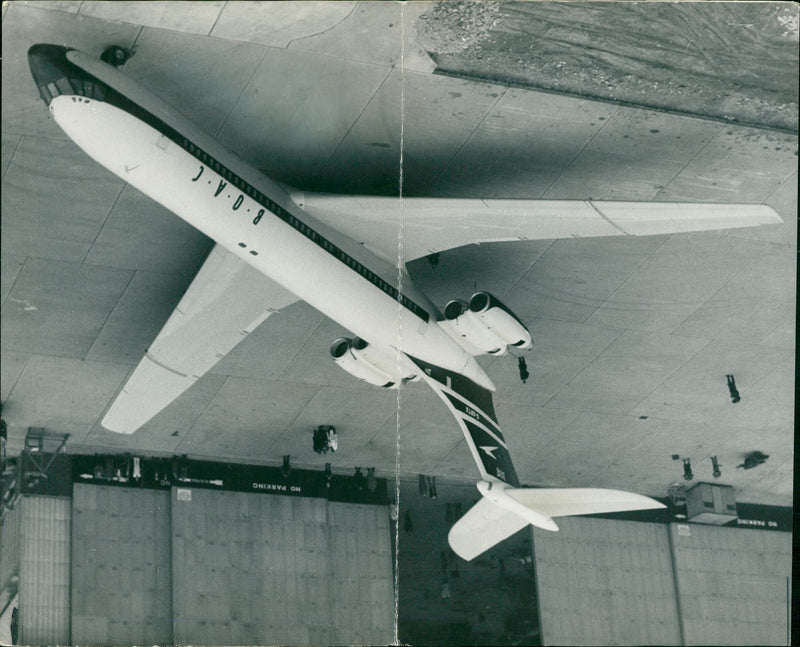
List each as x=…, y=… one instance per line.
x=603, y=581
x=272, y=569
x=10, y=546
x=121, y=566
x=44, y=570
x=733, y=584
x=361, y=574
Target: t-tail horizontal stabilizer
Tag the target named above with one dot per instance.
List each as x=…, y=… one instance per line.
x=504, y=510
x=505, y=507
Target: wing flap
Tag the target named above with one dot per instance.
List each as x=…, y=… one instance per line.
x=437, y=224
x=226, y=301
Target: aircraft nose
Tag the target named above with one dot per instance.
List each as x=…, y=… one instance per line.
x=48, y=65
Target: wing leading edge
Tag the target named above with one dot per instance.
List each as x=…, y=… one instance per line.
x=226, y=301
x=437, y=224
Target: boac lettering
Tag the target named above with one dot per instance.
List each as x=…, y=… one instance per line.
x=237, y=203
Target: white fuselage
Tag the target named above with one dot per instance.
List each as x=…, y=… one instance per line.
x=334, y=274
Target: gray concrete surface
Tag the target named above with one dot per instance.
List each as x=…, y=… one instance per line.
x=633, y=337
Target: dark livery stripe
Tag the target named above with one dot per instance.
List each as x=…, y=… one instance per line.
x=472, y=412
x=67, y=78
x=495, y=458
x=302, y=227
x=474, y=420
x=466, y=388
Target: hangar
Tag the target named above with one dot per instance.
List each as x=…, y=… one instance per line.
x=634, y=339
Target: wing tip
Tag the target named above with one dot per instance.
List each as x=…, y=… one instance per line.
x=771, y=216
x=114, y=423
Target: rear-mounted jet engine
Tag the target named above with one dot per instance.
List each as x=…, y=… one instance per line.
x=370, y=364
x=485, y=325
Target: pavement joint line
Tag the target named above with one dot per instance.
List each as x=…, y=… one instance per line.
x=682, y=365
x=460, y=445
x=356, y=120
x=446, y=165
x=13, y=153
x=577, y=156
x=635, y=270
x=216, y=20
x=379, y=428
x=689, y=162
x=110, y=314
x=772, y=331
x=731, y=277
x=288, y=426
x=245, y=86
x=591, y=361
x=24, y=368
x=310, y=336
x=320, y=387
x=209, y=401
x=555, y=435
x=104, y=223
x=529, y=268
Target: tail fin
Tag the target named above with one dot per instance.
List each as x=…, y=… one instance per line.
x=471, y=405
x=505, y=507
x=504, y=510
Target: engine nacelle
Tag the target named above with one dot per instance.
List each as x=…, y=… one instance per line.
x=500, y=320
x=485, y=325
x=370, y=364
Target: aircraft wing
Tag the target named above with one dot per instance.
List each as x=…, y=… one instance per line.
x=437, y=224
x=227, y=300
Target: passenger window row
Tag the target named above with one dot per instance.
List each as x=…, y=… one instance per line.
x=300, y=226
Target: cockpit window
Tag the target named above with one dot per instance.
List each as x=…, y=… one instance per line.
x=94, y=90
x=56, y=75
x=64, y=86
x=88, y=88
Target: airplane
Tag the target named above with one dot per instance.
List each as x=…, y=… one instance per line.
x=342, y=254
